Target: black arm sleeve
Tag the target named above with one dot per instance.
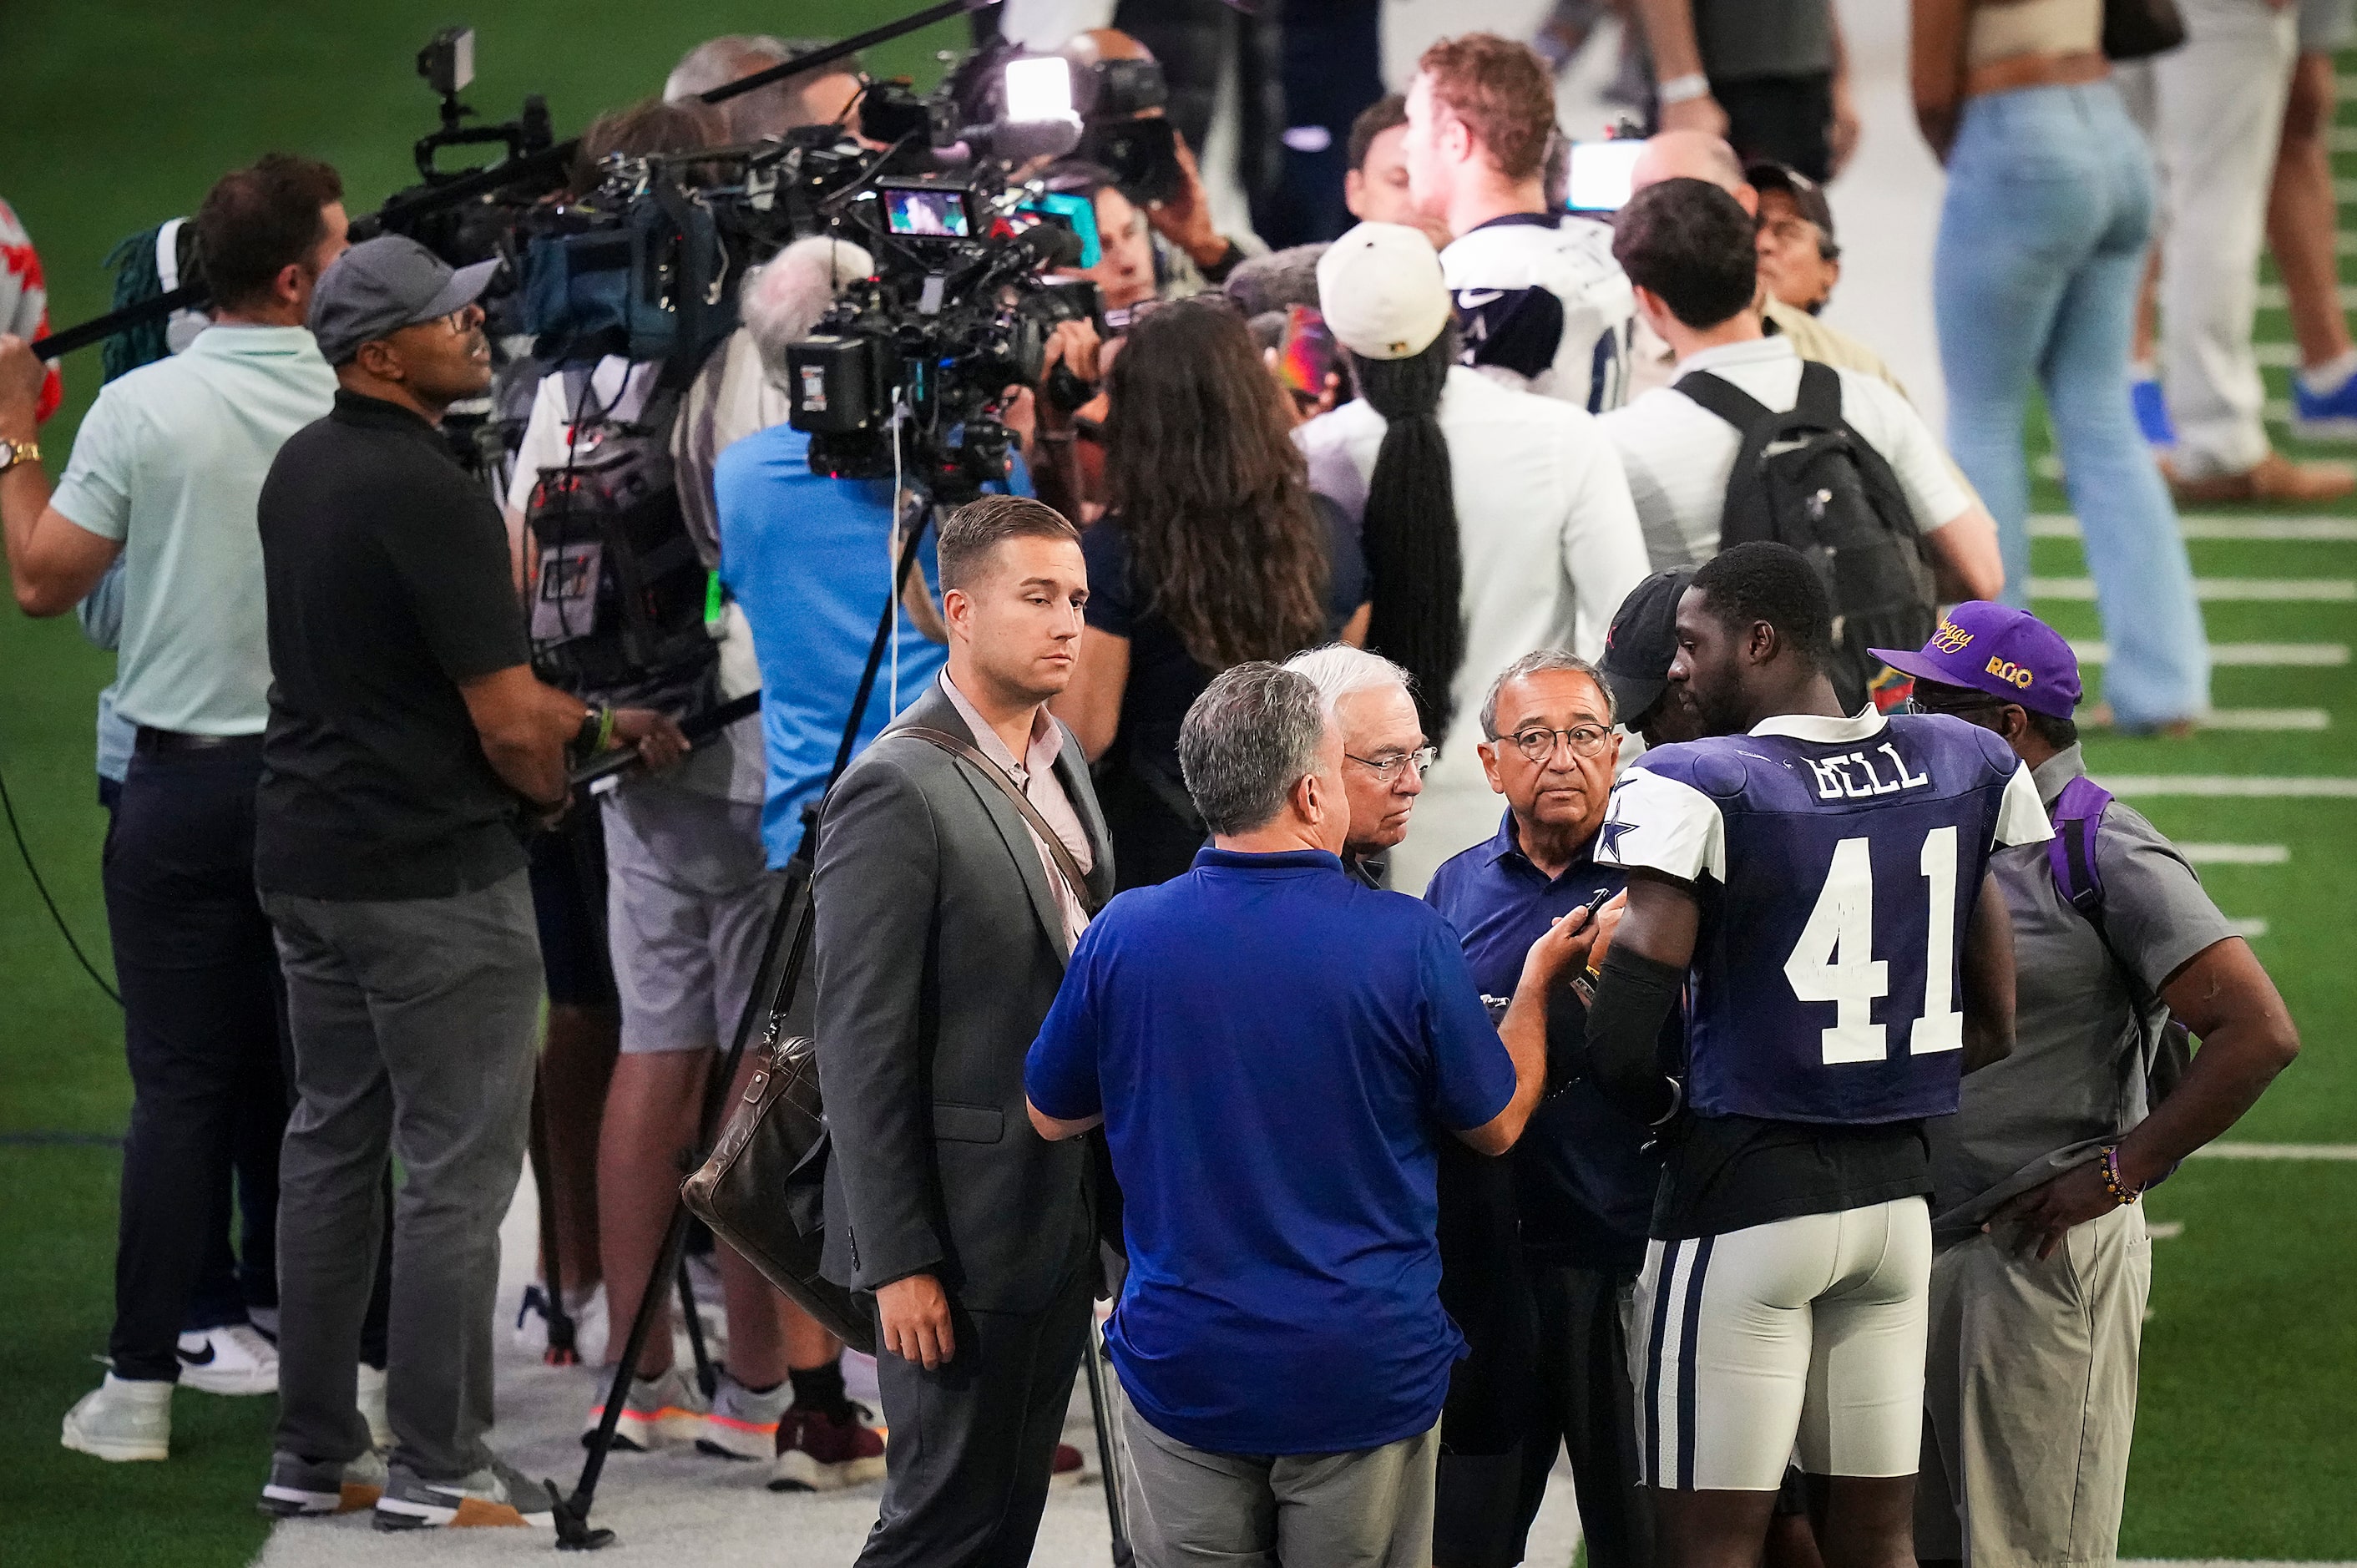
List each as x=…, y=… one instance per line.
x=1566, y=1037
x=1624, y=1029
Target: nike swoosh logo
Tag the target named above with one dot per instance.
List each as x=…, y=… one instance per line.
x=1778, y=449
x=190, y=1358
x=1475, y=298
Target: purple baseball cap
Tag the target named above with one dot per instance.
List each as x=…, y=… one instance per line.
x=1992, y=648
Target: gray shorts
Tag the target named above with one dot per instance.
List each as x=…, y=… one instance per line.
x=689, y=898
x=2326, y=26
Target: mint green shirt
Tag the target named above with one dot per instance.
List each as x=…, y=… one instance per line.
x=171, y=462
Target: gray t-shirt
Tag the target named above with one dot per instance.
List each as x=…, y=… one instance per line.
x=2075, y=1080
x=1744, y=38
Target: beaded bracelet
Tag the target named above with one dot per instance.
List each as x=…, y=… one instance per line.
x=2115, y=1184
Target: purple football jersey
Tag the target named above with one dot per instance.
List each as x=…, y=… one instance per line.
x=1838, y=861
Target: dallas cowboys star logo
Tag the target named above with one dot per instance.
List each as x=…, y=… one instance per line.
x=1609, y=835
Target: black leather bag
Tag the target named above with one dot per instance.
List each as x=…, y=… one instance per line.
x=762, y=1190
x=2138, y=29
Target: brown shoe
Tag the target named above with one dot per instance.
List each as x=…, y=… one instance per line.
x=2274, y=477
x=822, y=1453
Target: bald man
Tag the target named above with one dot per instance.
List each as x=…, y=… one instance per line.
x=1698, y=155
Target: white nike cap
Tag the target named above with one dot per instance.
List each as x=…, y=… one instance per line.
x=1380, y=291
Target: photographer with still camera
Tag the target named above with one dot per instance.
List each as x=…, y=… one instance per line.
x=163, y=475
x=407, y=744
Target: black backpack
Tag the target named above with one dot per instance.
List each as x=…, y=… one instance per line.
x=617, y=615
x=1804, y=478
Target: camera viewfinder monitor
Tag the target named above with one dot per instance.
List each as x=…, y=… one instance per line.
x=1599, y=174
x=927, y=212
x=1077, y=213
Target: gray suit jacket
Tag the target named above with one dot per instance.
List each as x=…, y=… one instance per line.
x=939, y=950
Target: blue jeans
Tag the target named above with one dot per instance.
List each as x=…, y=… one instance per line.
x=2042, y=240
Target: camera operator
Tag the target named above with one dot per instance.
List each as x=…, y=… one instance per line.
x=407, y=740
x=2042, y=1263
x=1281, y=1344
x=1191, y=252
x=943, y=924
x=1543, y=305
x=163, y=475
x=571, y=413
x=825, y=98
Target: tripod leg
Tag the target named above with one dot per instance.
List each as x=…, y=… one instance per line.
x=1093, y=1360
x=572, y=1531
x=560, y=1351
x=707, y=1376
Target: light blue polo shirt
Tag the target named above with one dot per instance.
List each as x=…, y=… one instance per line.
x=170, y=461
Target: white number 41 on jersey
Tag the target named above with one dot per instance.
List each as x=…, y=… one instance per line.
x=1834, y=961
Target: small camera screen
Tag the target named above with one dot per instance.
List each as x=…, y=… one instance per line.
x=939, y=214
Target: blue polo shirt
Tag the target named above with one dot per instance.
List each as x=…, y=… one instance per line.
x=1584, y=1181
x=1274, y=1047
x=809, y=559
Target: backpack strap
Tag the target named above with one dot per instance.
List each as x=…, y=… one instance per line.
x=2071, y=853
x=1820, y=400
x=1718, y=396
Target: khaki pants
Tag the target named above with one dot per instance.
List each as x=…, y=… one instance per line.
x=2030, y=1397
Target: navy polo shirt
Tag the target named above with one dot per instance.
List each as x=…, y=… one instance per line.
x=1274, y=1048
x=1584, y=1180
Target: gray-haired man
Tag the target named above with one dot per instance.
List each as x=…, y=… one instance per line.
x=1385, y=754
x=1298, y=1415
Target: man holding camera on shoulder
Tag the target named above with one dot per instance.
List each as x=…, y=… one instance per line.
x=408, y=741
x=945, y=912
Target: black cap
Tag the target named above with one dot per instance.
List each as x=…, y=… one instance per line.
x=1808, y=195
x=1642, y=641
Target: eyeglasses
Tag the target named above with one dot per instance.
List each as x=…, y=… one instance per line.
x=1386, y=767
x=1537, y=744
x=1956, y=701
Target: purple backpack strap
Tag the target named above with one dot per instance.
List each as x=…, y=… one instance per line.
x=2078, y=811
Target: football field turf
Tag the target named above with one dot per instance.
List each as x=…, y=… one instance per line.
x=118, y=115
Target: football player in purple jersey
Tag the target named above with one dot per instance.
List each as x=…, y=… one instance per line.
x=1816, y=884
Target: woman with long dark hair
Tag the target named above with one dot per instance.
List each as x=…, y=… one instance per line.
x=1494, y=523
x=1213, y=552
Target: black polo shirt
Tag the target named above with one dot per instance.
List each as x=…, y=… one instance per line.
x=388, y=586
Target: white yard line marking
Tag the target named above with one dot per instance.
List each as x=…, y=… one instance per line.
x=2219, y=786
x=2228, y=526
x=2268, y=719
x=2344, y=138
x=2236, y=1151
x=2281, y=356
x=2249, y=931
x=2337, y=590
x=2243, y=655
x=2235, y=853
x=2165, y=1230
x=2272, y=295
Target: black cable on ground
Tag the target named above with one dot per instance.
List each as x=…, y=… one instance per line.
x=25, y=852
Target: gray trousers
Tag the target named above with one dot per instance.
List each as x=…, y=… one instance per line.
x=414, y=1024
x=1186, y=1506
x=2031, y=1394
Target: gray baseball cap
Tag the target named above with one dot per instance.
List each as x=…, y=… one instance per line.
x=379, y=286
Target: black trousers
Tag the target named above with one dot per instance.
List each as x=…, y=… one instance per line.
x=973, y=1442
x=1582, y=1397
x=1788, y=119
x=203, y=1015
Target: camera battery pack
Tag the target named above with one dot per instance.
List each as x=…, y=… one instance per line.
x=840, y=384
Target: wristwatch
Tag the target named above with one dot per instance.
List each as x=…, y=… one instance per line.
x=15, y=452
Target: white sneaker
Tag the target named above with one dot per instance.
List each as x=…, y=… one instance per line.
x=121, y=1420
x=668, y=1408
x=371, y=1403
x=743, y=1424
x=231, y=1360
